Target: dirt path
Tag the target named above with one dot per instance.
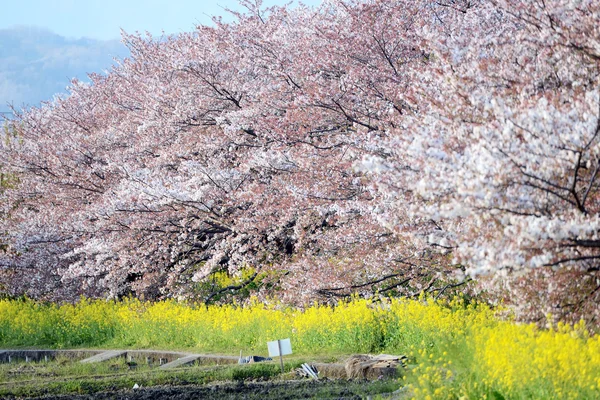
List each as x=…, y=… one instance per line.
x=250, y=391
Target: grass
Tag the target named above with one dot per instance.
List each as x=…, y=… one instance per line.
x=460, y=349
x=63, y=377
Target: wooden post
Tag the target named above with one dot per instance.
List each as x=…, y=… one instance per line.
x=280, y=355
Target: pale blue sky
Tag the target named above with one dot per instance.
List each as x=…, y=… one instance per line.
x=102, y=19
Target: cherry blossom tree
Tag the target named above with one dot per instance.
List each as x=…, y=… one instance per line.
x=228, y=148
x=361, y=146
x=505, y=157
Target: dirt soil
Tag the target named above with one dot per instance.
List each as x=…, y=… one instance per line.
x=254, y=390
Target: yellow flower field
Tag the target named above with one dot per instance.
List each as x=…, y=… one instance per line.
x=458, y=350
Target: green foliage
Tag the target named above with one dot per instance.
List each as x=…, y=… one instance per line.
x=221, y=285
x=9, y=180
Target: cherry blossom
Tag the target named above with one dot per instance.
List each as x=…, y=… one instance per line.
x=372, y=146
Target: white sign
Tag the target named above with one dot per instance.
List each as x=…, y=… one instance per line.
x=285, y=344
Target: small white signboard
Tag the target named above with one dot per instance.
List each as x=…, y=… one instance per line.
x=284, y=344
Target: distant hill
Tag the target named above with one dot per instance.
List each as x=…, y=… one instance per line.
x=36, y=64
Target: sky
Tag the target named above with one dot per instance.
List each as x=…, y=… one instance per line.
x=103, y=19
x=46, y=43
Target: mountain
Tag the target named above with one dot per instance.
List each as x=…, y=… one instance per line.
x=36, y=64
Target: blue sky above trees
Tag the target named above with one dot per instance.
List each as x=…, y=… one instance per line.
x=102, y=19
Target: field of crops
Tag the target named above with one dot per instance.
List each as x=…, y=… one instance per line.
x=457, y=349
